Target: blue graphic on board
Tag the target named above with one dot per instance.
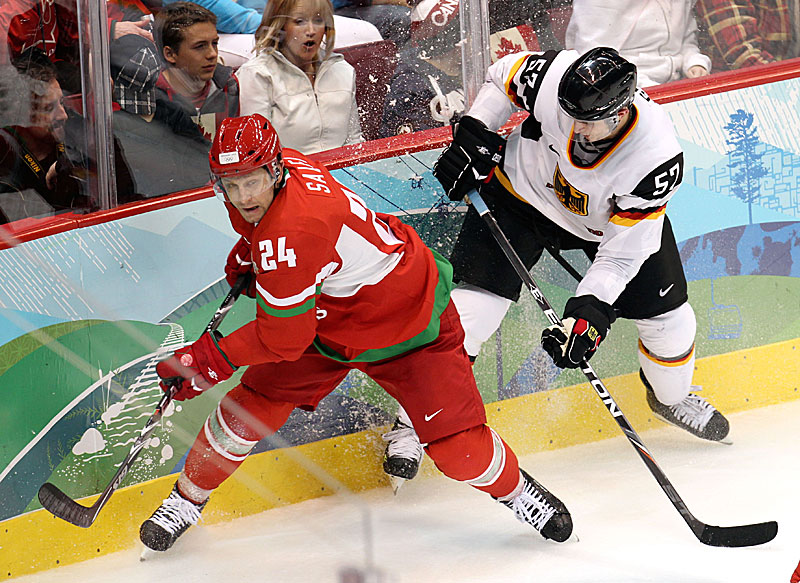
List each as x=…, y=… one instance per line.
x=114, y=271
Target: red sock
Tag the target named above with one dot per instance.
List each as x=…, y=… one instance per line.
x=241, y=420
x=479, y=457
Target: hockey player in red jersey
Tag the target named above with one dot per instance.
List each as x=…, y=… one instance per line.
x=337, y=287
x=591, y=168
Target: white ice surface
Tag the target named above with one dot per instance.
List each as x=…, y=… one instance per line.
x=437, y=530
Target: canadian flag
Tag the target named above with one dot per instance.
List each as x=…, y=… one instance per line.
x=513, y=40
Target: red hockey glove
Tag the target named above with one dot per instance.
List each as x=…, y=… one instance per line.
x=195, y=368
x=240, y=263
x=796, y=575
x=587, y=321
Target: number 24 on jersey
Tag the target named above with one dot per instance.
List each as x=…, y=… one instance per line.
x=268, y=259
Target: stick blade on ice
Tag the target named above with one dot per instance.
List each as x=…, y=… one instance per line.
x=739, y=536
x=64, y=507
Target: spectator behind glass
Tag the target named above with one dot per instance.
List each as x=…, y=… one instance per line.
x=131, y=17
x=426, y=90
x=238, y=21
x=48, y=25
x=658, y=36
x=186, y=37
x=391, y=17
x=743, y=33
x=161, y=147
x=305, y=90
x=32, y=145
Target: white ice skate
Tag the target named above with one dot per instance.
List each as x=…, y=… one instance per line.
x=403, y=453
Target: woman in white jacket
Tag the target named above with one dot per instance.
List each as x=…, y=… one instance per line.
x=297, y=82
x=658, y=36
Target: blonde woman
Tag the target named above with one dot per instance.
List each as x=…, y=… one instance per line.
x=295, y=80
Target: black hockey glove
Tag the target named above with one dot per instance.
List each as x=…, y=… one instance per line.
x=469, y=159
x=587, y=321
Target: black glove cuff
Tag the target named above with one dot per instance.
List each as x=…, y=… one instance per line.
x=600, y=314
x=479, y=141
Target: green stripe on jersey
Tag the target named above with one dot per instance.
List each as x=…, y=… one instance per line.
x=288, y=312
x=429, y=334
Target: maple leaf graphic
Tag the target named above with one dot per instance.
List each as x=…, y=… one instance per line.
x=506, y=47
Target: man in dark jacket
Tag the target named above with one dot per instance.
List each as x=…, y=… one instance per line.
x=426, y=90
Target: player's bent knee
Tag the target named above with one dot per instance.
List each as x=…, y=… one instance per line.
x=669, y=335
x=479, y=457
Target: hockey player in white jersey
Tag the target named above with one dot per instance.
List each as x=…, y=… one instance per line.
x=591, y=168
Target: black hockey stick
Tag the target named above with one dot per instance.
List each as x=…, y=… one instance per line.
x=717, y=536
x=61, y=505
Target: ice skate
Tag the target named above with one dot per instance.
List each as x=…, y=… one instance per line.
x=403, y=453
x=694, y=414
x=536, y=506
x=169, y=521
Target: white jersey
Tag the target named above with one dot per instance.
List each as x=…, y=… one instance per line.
x=618, y=200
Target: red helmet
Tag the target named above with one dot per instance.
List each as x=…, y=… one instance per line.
x=244, y=144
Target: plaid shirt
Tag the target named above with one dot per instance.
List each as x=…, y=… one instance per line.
x=745, y=33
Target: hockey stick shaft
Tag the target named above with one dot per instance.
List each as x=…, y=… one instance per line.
x=736, y=536
x=61, y=505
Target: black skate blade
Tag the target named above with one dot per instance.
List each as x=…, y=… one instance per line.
x=62, y=506
x=749, y=535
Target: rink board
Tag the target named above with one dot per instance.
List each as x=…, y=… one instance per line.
x=530, y=423
x=84, y=312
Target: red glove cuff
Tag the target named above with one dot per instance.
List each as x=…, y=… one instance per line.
x=209, y=359
x=239, y=263
x=195, y=368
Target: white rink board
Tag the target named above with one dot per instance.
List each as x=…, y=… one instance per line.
x=440, y=531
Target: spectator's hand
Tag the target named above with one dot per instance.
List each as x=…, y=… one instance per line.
x=194, y=369
x=140, y=27
x=587, y=321
x=696, y=71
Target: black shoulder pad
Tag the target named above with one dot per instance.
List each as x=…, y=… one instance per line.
x=661, y=181
x=524, y=91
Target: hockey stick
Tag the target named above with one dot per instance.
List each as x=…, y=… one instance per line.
x=61, y=505
x=717, y=536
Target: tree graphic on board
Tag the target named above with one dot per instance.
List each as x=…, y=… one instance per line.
x=745, y=161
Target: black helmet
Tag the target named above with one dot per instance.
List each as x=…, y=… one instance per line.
x=597, y=85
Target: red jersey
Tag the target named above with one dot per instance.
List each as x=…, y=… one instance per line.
x=35, y=23
x=358, y=285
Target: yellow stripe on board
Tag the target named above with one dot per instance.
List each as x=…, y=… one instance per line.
x=735, y=381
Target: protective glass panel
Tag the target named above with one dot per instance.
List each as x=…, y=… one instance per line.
x=686, y=40
x=43, y=159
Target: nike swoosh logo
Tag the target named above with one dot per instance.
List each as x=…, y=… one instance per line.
x=553, y=150
x=429, y=417
x=663, y=292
